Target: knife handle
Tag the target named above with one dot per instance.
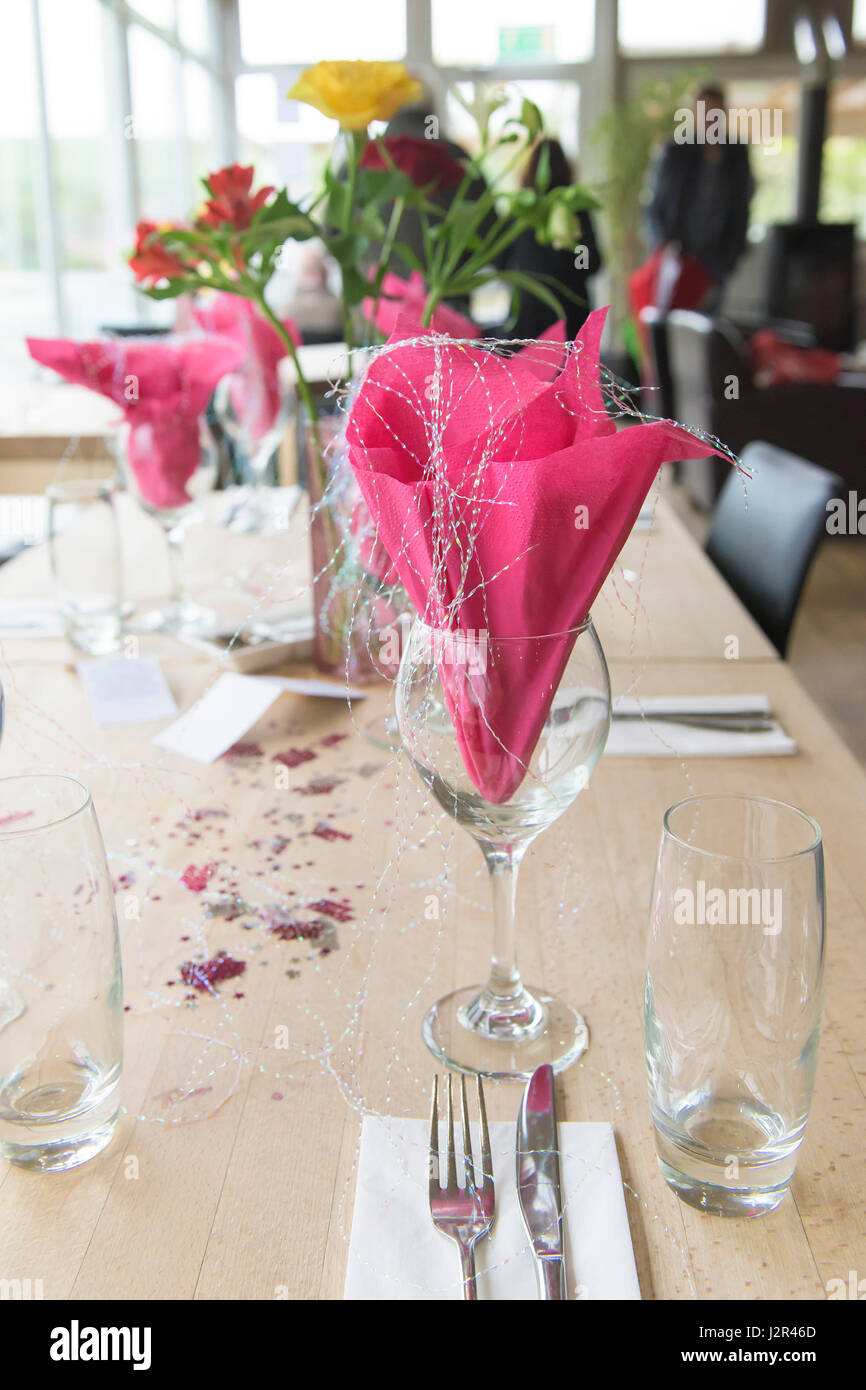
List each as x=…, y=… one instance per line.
x=551, y=1278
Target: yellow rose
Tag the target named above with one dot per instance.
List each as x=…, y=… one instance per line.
x=356, y=93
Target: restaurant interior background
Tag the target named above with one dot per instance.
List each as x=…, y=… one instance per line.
x=303, y=841
x=112, y=112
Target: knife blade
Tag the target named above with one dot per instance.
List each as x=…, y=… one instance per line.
x=538, y=1185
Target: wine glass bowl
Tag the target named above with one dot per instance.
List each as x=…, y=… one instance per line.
x=255, y=422
x=477, y=709
x=170, y=487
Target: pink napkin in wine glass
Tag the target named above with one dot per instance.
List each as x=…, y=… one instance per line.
x=254, y=389
x=162, y=386
x=503, y=495
x=404, y=300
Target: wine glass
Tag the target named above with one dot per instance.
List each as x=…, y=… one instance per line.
x=169, y=481
x=498, y=689
x=255, y=414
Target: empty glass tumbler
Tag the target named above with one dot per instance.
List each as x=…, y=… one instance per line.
x=84, y=553
x=734, y=998
x=61, y=993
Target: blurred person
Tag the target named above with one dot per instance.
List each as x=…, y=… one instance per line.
x=313, y=305
x=571, y=267
x=703, y=189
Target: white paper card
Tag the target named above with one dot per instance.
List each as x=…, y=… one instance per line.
x=126, y=690
x=325, y=689
x=396, y=1253
x=222, y=716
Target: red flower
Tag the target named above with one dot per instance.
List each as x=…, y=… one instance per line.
x=423, y=161
x=150, y=261
x=232, y=201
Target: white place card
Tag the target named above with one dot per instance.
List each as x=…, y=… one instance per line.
x=126, y=690
x=327, y=690
x=221, y=717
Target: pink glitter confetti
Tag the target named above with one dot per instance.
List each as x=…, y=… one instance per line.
x=320, y=786
x=339, y=911
x=123, y=881
x=328, y=832
x=240, y=751
x=13, y=816
x=330, y=739
x=197, y=879
x=293, y=757
x=204, y=974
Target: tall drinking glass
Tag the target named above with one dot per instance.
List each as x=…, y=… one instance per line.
x=61, y=991
x=84, y=554
x=504, y=1029
x=734, y=998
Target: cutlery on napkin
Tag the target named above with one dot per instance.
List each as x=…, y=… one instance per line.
x=539, y=1189
x=709, y=726
x=395, y=1252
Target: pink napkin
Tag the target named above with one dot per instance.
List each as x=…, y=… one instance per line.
x=254, y=389
x=404, y=300
x=503, y=494
x=162, y=386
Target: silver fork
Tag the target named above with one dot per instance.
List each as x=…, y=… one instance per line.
x=464, y=1214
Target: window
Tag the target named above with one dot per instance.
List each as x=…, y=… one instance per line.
x=297, y=34
x=843, y=183
x=493, y=33
x=681, y=26
x=859, y=23
x=558, y=100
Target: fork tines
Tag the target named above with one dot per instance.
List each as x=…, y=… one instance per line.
x=464, y=1214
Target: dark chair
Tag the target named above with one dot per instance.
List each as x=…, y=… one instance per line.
x=764, y=542
x=661, y=401
x=713, y=390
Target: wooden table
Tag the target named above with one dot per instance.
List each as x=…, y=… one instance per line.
x=232, y=1171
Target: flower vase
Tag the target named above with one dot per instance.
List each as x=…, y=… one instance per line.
x=341, y=593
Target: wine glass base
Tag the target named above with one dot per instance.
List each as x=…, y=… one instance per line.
x=383, y=733
x=186, y=620
x=562, y=1037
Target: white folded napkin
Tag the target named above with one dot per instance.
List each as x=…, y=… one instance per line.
x=645, y=738
x=395, y=1251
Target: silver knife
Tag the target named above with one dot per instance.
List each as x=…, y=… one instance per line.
x=538, y=1187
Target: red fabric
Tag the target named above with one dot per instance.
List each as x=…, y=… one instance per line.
x=777, y=363
x=161, y=386
x=474, y=488
x=254, y=389
x=691, y=286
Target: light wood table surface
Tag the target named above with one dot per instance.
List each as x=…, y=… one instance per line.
x=231, y=1174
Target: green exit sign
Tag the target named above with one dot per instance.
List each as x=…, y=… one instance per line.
x=526, y=42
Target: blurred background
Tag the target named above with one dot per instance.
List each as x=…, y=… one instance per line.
x=112, y=110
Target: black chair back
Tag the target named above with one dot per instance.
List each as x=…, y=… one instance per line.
x=763, y=542
x=661, y=401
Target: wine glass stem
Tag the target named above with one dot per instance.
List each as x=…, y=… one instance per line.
x=174, y=541
x=503, y=864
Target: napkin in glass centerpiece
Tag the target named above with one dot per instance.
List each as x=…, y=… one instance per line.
x=254, y=388
x=396, y=1253
x=162, y=386
x=503, y=493
x=401, y=305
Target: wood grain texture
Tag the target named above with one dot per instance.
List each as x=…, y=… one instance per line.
x=231, y=1175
